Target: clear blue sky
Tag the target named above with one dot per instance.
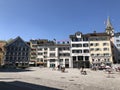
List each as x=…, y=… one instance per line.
x=49, y=19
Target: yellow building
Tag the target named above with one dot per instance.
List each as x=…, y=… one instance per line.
x=2, y=52
x=100, y=49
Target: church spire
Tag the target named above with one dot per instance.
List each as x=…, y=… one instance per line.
x=109, y=28
x=108, y=24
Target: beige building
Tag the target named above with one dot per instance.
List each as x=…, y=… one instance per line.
x=2, y=52
x=38, y=54
x=100, y=49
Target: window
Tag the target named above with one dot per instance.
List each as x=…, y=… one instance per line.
x=98, y=54
x=66, y=54
x=60, y=49
x=45, y=56
x=74, y=58
x=86, y=51
x=45, y=48
x=92, y=49
x=80, y=57
x=91, y=44
x=76, y=45
x=105, y=44
x=76, y=51
x=118, y=45
x=73, y=51
x=78, y=39
x=61, y=60
x=105, y=49
x=45, y=52
x=117, y=40
x=73, y=45
x=73, y=39
x=52, y=60
x=52, y=49
x=106, y=54
x=85, y=45
x=52, y=54
x=96, y=44
x=86, y=57
x=40, y=53
x=97, y=49
x=34, y=42
x=66, y=60
x=79, y=45
x=92, y=54
x=39, y=49
x=85, y=39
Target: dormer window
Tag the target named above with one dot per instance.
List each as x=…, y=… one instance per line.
x=78, y=34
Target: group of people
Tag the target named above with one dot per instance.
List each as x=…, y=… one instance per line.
x=61, y=68
x=107, y=68
x=83, y=71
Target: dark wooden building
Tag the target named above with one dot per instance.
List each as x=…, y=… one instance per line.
x=17, y=53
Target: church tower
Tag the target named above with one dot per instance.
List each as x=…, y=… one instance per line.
x=109, y=28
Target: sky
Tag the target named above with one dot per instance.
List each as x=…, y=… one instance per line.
x=55, y=19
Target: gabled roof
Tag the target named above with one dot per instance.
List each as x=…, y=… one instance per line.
x=12, y=41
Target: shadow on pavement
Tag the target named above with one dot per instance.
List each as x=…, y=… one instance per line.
x=14, y=70
x=17, y=85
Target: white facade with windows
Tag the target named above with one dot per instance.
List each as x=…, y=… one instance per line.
x=79, y=44
x=59, y=55
x=50, y=54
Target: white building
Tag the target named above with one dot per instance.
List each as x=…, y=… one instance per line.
x=79, y=45
x=59, y=54
x=64, y=55
x=49, y=54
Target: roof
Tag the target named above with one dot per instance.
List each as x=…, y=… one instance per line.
x=117, y=34
x=12, y=41
x=73, y=36
x=63, y=45
x=97, y=34
x=91, y=34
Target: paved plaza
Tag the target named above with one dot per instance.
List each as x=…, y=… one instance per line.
x=36, y=78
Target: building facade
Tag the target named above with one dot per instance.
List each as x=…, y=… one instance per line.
x=64, y=55
x=49, y=53
x=100, y=49
x=2, y=52
x=117, y=46
x=39, y=51
x=79, y=45
x=17, y=53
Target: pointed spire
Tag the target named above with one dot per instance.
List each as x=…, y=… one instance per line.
x=108, y=24
x=109, y=28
